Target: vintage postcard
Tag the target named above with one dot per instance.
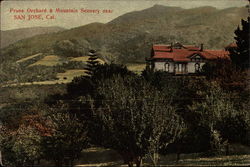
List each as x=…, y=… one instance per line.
x=124, y=83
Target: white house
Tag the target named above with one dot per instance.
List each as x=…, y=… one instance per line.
x=182, y=59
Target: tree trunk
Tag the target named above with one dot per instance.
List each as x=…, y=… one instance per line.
x=138, y=161
x=72, y=163
x=155, y=158
x=227, y=149
x=1, y=162
x=38, y=162
x=32, y=163
x=178, y=155
x=127, y=158
x=58, y=163
x=130, y=164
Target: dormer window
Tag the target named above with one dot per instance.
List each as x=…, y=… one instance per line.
x=196, y=58
x=177, y=46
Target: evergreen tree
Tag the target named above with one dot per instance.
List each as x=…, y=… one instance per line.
x=92, y=62
x=240, y=55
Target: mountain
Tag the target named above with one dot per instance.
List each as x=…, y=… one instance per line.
x=11, y=36
x=129, y=38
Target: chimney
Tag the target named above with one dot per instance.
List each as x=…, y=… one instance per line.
x=201, y=49
x=171, y=47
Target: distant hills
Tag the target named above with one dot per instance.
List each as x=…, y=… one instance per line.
x=129, y=38
x=11, y=36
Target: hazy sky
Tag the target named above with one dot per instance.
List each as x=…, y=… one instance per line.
x=69, y=20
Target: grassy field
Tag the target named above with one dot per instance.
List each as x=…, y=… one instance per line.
x=63, y=78
x=137, y=68
x=84, y=59
x=28, y=58
x=105, y=157
x=70, y=74
x=50, y=60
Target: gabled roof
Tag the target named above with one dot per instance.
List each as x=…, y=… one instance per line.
x=184, y=53
x=231, y=45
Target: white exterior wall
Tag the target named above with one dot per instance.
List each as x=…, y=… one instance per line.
x=191, y=66
x=160, y=66
x=171, y=67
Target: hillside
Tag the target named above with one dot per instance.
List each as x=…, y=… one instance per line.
x=11, y=36
x=128, y=38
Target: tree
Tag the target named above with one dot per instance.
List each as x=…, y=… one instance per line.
x=68, y=136
x=92, y=62
x=68, y=48
x=182, y=91
x=135, y=119
x=27, y=146
x=240, y=55
x=215, y=107
x=82, y=86
x=21, y=147
x=226, y=74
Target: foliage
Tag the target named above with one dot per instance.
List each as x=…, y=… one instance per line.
x=234, y=129
x=216, y=107
x=67, y=138
x=20, y=147
x=135, y=118
x=82, y=85
x=11, y=116
x=68, y=48
x=183, y=91
x=225, y=73
x=240, y=55
x=92, y=62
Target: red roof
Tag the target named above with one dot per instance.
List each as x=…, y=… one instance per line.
x=185, y=52
x=231, y=45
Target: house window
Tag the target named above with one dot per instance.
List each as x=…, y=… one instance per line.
x=196, y=58
x=166, y=66
x=197, y=67
x=180, y=67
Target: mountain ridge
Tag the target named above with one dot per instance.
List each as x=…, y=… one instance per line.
x=11, y=36
x=129, y=37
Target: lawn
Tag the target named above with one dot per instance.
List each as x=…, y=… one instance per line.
x=137, y=68
x=70, y=74
x=85, y=59
x=28, y=58
x=63, y=78
x=106, y=157
x=50, y=60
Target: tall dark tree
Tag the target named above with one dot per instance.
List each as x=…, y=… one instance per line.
x=240, y=55
x=226, y=74
x=92, y=62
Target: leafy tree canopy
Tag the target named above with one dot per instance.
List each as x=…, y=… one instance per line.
x=240, y=55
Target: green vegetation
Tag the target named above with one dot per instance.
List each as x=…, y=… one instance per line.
x=67, y=136
x=126, y=39
x=240, y=55
x=142, y=117
x=50, y=60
